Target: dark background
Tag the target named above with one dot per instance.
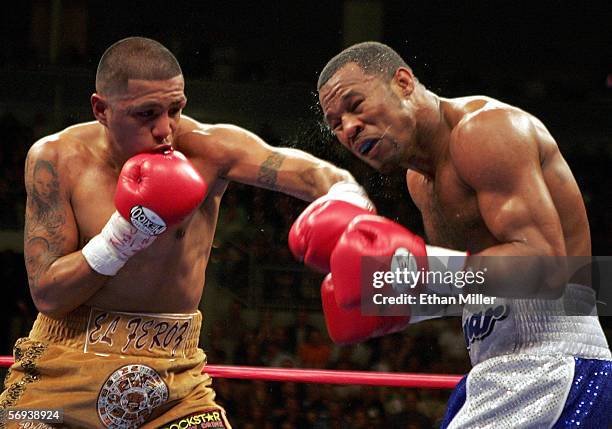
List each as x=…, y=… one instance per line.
x=255, y=64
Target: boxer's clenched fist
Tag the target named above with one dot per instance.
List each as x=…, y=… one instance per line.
x=314, y=234
x=348, y=326
x=373, y=236
x=377, y=236
x=154, y=191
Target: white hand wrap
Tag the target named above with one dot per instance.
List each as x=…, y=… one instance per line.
x=441, y=262
x=444, y=261
x=118, y=241
x=352, y=193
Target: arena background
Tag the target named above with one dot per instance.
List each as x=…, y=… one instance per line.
x=255, y=64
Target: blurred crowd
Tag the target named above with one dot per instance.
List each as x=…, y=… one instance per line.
x=429, y=347
x=17, y=138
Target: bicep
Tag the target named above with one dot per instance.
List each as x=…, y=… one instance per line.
x=253, y=161
x=292, y=171
x=50, y=228
x=520, y=210
x=513, y=198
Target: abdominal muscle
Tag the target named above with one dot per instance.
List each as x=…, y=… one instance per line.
x=167, y=277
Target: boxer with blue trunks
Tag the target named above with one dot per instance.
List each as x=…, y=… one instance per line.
x=497, y=198
x=544, y=368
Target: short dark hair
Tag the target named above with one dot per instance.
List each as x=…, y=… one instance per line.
x=374, y=58
x=134, y=58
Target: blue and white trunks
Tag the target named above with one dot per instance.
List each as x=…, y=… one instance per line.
x=535, y=366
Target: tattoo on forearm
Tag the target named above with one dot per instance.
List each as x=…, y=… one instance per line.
x=40, y=253
x=268, y=171
x=36, y=251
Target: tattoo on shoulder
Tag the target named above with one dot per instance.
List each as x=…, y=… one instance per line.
x=44, y=198
x=268, y=171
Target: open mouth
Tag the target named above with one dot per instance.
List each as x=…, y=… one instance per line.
x=165, y=147
x=367, y=146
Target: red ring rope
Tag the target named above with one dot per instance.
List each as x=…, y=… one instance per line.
x=431, y=381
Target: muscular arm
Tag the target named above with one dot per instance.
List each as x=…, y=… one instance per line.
x=242, y=156
x=497, y=155
x=59, y=277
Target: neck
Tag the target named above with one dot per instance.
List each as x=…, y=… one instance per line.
x=115, y=155
x=431, y=134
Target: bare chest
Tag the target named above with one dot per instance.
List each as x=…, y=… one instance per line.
x=92, y=201
x=93, y=204
x=450, y=212
x=172, y=266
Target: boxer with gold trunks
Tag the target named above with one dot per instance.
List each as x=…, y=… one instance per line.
x=135, y=366
x=120, y=219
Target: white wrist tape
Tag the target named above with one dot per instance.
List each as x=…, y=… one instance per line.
x=351, y=193
x=118, y=241
x=445, y=262
x=442, y=265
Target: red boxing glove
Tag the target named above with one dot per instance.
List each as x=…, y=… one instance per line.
x=350, y=326
x=154, y=191
x=375, y=236
x=392, y=248
x=314, y=234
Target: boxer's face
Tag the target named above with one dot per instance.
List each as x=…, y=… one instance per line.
x=368, y=116
x=146, y=115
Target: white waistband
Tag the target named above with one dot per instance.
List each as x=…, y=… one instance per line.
x=568, y=325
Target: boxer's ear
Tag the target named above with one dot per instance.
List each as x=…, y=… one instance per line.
x=99, y=106
x=405, y=79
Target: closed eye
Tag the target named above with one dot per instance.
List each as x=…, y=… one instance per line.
x=146, y=114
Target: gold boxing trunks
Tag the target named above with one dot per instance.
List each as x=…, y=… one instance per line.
x=108, y=369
